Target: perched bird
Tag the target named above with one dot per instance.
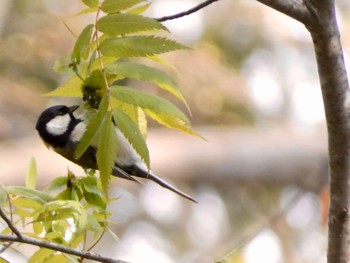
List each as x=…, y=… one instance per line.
x=62, y=131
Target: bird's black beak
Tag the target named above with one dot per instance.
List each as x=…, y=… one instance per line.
x=73, y=108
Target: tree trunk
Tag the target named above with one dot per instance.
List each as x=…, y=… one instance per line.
x=319, y=18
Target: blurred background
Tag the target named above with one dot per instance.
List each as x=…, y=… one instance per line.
x=251, y=81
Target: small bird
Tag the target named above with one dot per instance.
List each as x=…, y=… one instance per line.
x=62, y=131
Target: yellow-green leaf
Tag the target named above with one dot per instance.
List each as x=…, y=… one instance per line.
x=31, y=175
x=132, y=134
x=107, y=149
x=70, y=88
x=138, y=46
x=143, y=72
x=113, y=6
x=121, y=24
x=82, y=43
x=40, y=255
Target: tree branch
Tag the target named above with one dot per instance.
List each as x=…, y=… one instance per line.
x=10, y=225
x=56, y=247
x=188, y=12
x=40, y=243
x=293, y=8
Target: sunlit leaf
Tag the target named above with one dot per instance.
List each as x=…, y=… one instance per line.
x=57, y=183
x=121, y=24
x=132, y=134
x=31, y=175
x=58, y=258
x=147, y=101
x=107, y=149
x=143, y=72
x=70, y=88
x=138, y=46
x=139, y=9
x=112, y=6
x=91, y=3
x=82, y=43
x=40, y=255
x=28, y=193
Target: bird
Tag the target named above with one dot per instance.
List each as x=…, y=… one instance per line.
x=61, y=131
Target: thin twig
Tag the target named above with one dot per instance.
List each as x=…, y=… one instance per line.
x=10, y=225
x=56, y=247
x=188, y=12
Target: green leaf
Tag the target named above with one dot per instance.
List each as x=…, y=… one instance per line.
x=57, y=183
x=132, y=134
x=91, y=3
x=107, y=149
x=157, y=108
x=147, y=102
x=113, y=6
x=92, y=128
x=40, y=255
x=136, y=114
x=70, y=88
x=143, y=72
x=31, y=175
x=121, y=24
x=82, y=43
x=139, y=9
x=58, y=258
x=62, y=65
x=28, y=193
x=138, y=46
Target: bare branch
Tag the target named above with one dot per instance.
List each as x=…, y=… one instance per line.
x=56, y=247
x=10, y=225
x=188, y=12
x=293, y=8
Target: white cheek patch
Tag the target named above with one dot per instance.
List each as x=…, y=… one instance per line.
x=78, y=131
x=58, y=125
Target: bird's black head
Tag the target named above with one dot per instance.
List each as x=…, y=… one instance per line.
x=56, y=123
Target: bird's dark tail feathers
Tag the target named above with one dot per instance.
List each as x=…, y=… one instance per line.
x=138, y=172
x=168, y=186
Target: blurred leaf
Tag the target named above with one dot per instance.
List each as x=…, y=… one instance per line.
x=112, y=6
x=82, y=43
x=138, y=46
x=121, y=24
x=29, y=193
x=31, y=177
x=40, y=255
x=62, y=65
x=92, y=128
x=114, y=236
x=2, y=260
x=3, y=195
x=57, y=183
x=58, y=258
x=91, y=3
x=132, y=134
x=143, y=72
x=107, y=149
x=139, y=9
x=70, y=88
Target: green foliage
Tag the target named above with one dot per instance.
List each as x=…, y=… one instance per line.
x=64, y=213
x=72, y=208
x=102, y=55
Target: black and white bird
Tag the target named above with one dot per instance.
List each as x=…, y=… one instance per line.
x=62, y=131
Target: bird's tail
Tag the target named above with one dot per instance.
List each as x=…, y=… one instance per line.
x=168, y=186
x=123, y=173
